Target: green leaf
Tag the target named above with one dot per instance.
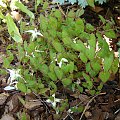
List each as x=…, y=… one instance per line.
x=53, y=85
x=91, y=3
x=110, y=34
x=104, y=76
x=115, y=65
x=52, y=76
x=100, y=86
x=24, y=9
x=70, y=67
x=93, y=73
x=45, y=5
x=79, y=13
x=13, y=30
x=20, y=52
x=90, y=53
x=65, y=38
x=102, y=19
x=89, y=27
x=31, y=47
x=22, y=87
x=103, y=46
x=95, y=65
x=43, y=90
x=6, y=63
x=71, y=14
x=108, y=62
x=53, y=23
x=88, y=80
x=57, y=45
x=66, y=81
x=58, y=72
x=79, y=46
x=57, y=14
x=44, y=69
x=43, y=23
x=79, y=26
x=92, y=40
x=83, y=57
x=65, y=69
x=23, y=116
x=88, y=67
x=86, y=77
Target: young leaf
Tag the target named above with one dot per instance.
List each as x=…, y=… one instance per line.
x=22, y=87
x=95, y=65
x=110, y=34
x=79, y=26
x=90, y=53
x=92, y=41
x=58, y=72
x=24, y=9
x=13, y=30
x=89, y=27
x=83, y=57
x=66, y=81
x=57, y=45
x=102, y=19
x=104, y=76
x=86, y=77
x=57, y=14
x=44, y=69
x=52, y=76
x=70, y=67
x=114, y=66
x=79, y=46
x=65, y=38
x=108, y=62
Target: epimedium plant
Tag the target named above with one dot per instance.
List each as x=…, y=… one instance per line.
x=62, y=50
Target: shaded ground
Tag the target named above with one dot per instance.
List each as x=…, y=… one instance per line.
x=105, y=106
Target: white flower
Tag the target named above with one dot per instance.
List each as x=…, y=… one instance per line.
x=9, y=88
x=55, y=100
x=61, y=61
x=14, y=74
x=35, y=33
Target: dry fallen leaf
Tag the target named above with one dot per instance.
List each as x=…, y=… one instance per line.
x=3, y=98
x=7, y=117
x=32, y=104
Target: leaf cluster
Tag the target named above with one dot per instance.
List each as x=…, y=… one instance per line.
x=71, y=53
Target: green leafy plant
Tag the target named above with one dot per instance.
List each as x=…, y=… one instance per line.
x=66, y=51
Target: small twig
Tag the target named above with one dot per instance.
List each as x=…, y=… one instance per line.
x=87, y=106
x=89, y=103
x=116, y=112
x=69, y=116
x=61, y=10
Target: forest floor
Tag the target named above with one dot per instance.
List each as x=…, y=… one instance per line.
x=105, y=106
